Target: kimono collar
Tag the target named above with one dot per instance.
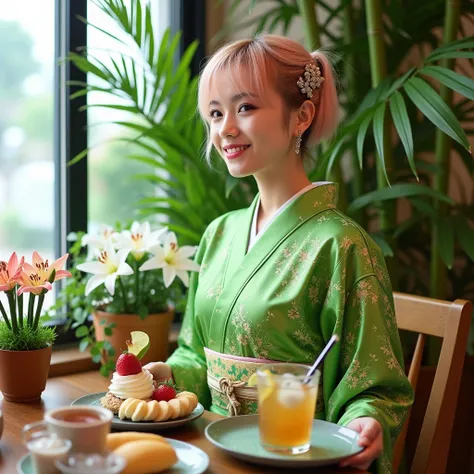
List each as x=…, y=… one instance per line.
x=306, y=206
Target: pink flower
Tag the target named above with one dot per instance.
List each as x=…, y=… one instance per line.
x=31, y=282
x=10, y=272
x=35, y=278
x=44, y=269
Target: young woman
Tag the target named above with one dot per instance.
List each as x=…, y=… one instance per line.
x=278, y=279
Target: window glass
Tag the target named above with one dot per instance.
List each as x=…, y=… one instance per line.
x=27, y=218
x=113, y=190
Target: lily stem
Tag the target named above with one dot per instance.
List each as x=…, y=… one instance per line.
x=5, y=317
x=38, y=310
x=20, y=309
x=12, y=304
x=31, y=304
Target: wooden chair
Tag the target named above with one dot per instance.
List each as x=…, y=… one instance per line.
x=449, y=321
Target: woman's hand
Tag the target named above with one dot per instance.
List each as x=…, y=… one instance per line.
x=160, y=371
x=371, y=438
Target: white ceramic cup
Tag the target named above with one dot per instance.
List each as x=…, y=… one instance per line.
x=86, y=427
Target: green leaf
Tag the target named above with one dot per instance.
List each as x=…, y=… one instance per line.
x=395, y=192
x=127, y=108
x=78, y=157
x=84, y=344
x=361, y=138
x=138, y=23
x=464, y=43
x=465, y=235
x=446, y=241
x=108, y=331
x=104, y=371
x=96, y=358
x=450, y=55
x=95, y=350
x=451, y=79
x=383, y=244
x=333, y=157
x=435, y=109
x=150, y=35
x=379, y=137
x=402, y=124
x=81, y=331
x=105, y=32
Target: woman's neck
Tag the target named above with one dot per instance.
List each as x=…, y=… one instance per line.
x=277, y=187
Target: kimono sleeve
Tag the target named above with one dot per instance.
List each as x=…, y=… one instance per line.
x=371, y=380
x=188, y=361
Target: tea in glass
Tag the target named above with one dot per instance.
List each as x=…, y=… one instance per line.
x=286, y=407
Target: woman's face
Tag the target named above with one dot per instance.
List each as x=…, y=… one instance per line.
x=247, y=130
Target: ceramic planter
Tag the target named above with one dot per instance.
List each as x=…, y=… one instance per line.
x=23, y=374
x=157, y=326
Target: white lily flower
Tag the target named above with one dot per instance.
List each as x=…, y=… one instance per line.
x=110, y=266
x=173, y=260
x=139, y=239
x=96, y=242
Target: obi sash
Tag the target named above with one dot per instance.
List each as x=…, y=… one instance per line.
x=227, y=377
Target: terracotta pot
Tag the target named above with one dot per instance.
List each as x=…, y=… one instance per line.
x=157, y=326
x=23, y=374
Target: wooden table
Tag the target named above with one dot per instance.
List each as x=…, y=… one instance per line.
x=62, y=390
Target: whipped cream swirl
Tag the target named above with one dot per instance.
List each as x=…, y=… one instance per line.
x=132, y=386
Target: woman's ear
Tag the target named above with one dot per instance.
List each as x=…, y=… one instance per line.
x=304, y=116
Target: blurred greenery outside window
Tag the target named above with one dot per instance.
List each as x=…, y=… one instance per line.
x=27, y=211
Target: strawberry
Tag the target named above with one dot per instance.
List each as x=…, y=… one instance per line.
x=165, y=391
x=128, y=364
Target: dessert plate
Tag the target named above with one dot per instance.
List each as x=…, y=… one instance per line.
x=191, y=460
x=239, y=437
x=93, y=399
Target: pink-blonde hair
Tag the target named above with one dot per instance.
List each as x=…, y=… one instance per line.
x=279, y=62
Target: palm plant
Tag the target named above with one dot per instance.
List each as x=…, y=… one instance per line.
x=157, y=90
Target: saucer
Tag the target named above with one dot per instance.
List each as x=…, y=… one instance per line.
x=239, y=437
x=93, y=399
x=191, y=460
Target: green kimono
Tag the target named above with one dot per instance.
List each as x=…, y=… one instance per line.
x=313, y=273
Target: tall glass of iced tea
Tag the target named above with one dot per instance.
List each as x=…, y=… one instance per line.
x=286, y=407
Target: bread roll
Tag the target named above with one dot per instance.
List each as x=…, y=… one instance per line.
x=146, y=456
x=114, y=440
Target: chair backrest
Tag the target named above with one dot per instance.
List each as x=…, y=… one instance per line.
x=449, y=321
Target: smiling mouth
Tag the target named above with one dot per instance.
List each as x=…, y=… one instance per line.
x=237, y=149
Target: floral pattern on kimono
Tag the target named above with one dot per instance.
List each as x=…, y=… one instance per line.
x=313, y=273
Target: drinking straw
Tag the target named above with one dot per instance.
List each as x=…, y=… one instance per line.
x=322, y=355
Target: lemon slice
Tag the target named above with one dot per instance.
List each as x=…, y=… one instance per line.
x=252, y=381
x=140, y=343
x=267, y=389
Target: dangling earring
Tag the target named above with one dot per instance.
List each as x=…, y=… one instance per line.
x=298, y=143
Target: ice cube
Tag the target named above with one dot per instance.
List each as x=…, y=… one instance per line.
x=290, y=392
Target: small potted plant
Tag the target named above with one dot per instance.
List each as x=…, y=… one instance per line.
x=25, y=343
x=127, y=282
